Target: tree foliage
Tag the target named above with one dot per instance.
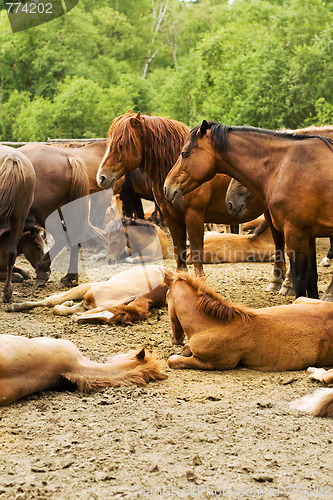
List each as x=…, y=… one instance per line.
x=255, y=62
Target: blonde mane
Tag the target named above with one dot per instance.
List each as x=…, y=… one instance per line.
x=211, y=303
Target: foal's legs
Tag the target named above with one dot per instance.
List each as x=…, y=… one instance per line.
x=176, y=361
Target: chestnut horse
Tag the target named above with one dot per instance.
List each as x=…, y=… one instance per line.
x=154, y=143
x=17, y=184
x=125, y=298
x=270, y=164
x=31, y=245
x=223, y=336
x=135, y=240
x=61, y=177
x=238, y=198
x=44, y=364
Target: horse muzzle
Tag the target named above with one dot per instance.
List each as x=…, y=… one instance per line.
x=173, y=193
x=106, y=180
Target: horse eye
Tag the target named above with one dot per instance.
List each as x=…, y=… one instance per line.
x=185, y=154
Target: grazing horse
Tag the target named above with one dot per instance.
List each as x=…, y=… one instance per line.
x=223, y=336
x=45, y=364
x=135, y=240
x=154, y=143
x=270, y=164
x=17, y=184
x=61, y=177
x=125, y=298
x=228, y=247
x=320, y=403
x=31, y=245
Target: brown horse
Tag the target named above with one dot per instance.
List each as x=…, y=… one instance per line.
x=238, y=198
x=61, y=177
x=44, y=364
x=154, y=144
x=125, y=298
x=223, y=336
x=269, y=163
x=31, y=245
x=17, y=184
x=135, y=240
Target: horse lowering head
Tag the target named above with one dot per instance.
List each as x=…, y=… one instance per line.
x=238, y=198
x=123, y=149
x=195, y=165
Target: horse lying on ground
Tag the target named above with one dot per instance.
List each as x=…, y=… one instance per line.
x=223, y=336
x=31, y=245
x=227, y=247
x=39, y=364
x=125, y=298
x=135, y=240
x=320, y=403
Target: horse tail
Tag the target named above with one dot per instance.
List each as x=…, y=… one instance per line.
x=320, y=403
x=80, y=180
x=150, y=369
x=11, y=176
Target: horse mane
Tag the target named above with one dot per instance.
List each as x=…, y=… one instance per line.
x=149, y=370
x=119, y=224
x=211, y=303
x=219, y=135
x=161, y=140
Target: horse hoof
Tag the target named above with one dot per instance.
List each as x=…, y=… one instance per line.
x=327, y=298
x=326, y=262
x=17, y=278
x=7, y=297
x=273, y=287
x=286, y=291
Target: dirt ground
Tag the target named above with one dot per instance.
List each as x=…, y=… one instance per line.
x=195, y=435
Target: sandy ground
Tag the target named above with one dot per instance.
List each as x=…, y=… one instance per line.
x=196, y=435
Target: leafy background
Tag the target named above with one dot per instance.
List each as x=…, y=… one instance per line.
x=254, y=62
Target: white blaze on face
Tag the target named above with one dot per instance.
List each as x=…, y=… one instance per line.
x=104, y=314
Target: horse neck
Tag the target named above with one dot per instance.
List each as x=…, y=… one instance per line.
x=252, y=159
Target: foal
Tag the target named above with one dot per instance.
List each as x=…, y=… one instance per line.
x=39, y=364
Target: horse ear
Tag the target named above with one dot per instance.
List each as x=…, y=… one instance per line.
x=203, y=279
x=203, y=128
x=168, y=278
x=140, y=354
x=129, y=112
x=136, y=120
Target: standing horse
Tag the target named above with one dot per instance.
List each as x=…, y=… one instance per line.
x=223, y=336
x=17, y=184
x=270, y=164
x=154, y=143
x=238, y=198
x=43, y=364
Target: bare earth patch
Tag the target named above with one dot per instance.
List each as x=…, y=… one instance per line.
x=196, y=435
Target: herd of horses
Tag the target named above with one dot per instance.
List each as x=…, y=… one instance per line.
x=212, y=173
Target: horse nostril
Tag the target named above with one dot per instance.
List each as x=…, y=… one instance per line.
x=102, y=179
x=165, y=191
x=230, y=205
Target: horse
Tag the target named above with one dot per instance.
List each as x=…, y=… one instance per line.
x=228, y=247
x=31, y=245
x=28, y=366
x=268, y=163
x=17, y=184
x=224, y=336
x=135, y=240
x=320, y=403
x=153, y=143
x=61, y=178
x=123, y=299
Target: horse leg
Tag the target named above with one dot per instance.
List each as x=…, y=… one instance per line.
x=279, y=270
x=178, y=235
x=180, y=362
x=43, y=270
x=298, y=250
x=312, y=275
x=195, y=229
x=16, y=230
x=72, y=276
x=326, y=261
x=328, y=295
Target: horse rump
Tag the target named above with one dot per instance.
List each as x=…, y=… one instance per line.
x=320, y=403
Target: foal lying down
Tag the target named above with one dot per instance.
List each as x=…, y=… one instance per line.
x=125, y=298
x=39, y=364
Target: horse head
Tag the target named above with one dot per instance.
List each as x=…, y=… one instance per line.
x=123, y=149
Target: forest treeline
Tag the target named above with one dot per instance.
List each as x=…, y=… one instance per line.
x=247, y=62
